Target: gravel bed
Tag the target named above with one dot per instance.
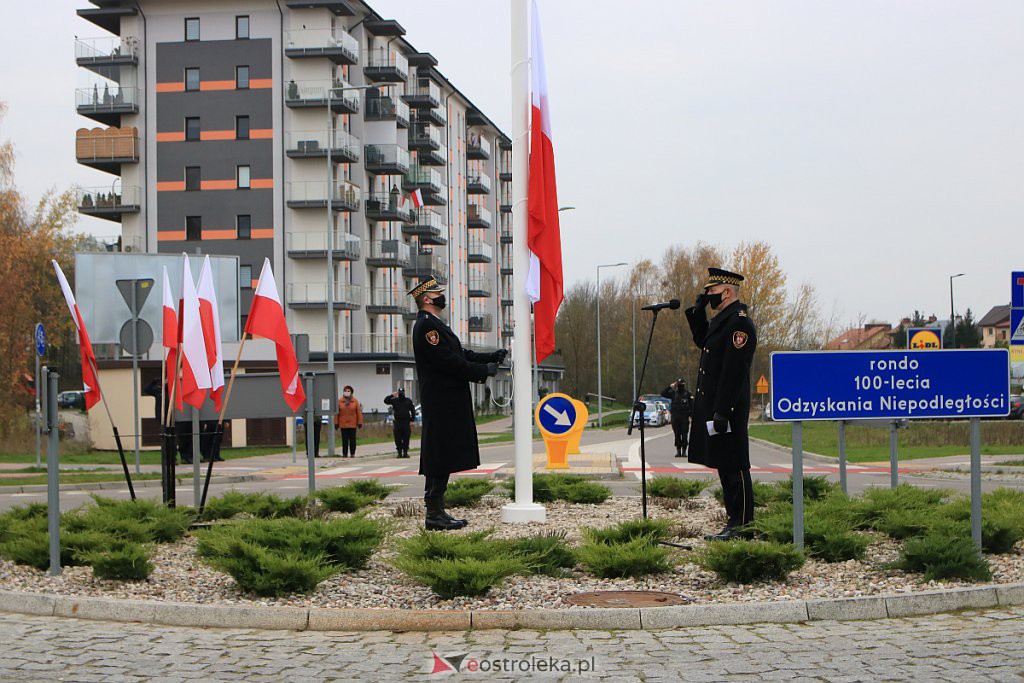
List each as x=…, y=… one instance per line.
x=178, y=576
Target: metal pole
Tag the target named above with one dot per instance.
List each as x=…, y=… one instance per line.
x=39, y=417
x=135, y=377
x=197, y=456
x=295, y=438
x=309, y=432
x=842, y=456
x=976, y=482
x=600, y=394
x=894, y=467
x=798, y=485
x=634, y=346
x=52, y=471
x=952, y=316
x=330, y=253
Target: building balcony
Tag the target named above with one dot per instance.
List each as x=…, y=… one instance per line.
x=344, y=147
x=339, y=8
x=480, y=287
x=384, y=300
x=432, y=157
x=480, y=252
x=505, y=199
x=422, y=136
x=313, y=245
x=107, y=15
x=477, y=147
x=506, y=236
x=506, y=262
x=386, y=160
x=481, y=322
x=312, y=194
x=388, y=206
x=427, y=265
x=386, y=65
x=435, y=115
x=334, y=44
x=506, y=300
x=109, y=203
x=107, y=104
x=507, y=333
x=107, y=149
x=505, y=166
x=314, y=295
x=424, y=95
x=425, y=179
x=385, y=108
x=478, y=216
x=478, y=182
x=389, y=254
x=101, y=54
x=375, y=344
x=317, y=94
x=428, y=226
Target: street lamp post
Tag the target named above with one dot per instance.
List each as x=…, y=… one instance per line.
x=952, y=317
x=600, y=395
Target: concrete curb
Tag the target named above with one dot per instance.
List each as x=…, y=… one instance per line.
x=654, y=618
x=117, y=485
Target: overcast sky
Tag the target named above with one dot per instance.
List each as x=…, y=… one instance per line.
x=877, y=146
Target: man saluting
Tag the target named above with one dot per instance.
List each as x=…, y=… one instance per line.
x=448, y=442
x=718, y=432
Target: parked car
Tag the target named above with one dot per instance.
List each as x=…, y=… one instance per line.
x=418, y=420
x=71, y=399
x=656, y=414
x=1016, y=408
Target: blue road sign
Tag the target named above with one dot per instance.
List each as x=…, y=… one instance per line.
x=556, y=413
x=1017, y=326
x=852, y=385
x=1017, y=289
x=40, y=340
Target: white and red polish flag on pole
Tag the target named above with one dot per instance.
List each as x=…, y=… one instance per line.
x=544, y=282
x=90, y=383
x=195, y=371
x=266, y=319
x=170, y=333
x=209, y=316
x=417, y=199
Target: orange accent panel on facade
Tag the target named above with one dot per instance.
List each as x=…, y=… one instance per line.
x=170, y=186
x=170, y=236
x=216, y=85
x=177, y=86
x=262, y=134
x=219, y=135
x=260, y=83
x=229, y=234
x=218, y=184
x=263, y=234
x=172, y=136
x=264, y=184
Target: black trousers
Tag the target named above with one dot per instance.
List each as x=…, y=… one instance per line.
x=435, y=486
x=402, y=433
x=348, y=440
x=681, y=427
x=318, y=429
x=739, y=496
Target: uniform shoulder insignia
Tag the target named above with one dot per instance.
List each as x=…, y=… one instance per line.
x=433, y=338
x=742, y=314
x=739, y=339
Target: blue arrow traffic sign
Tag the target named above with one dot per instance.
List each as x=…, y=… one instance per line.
x=40, y=340
x=556, y=414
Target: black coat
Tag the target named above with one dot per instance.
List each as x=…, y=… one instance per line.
x=727, y=346
x=403, y=408
x=681, y=402
x=444, y=369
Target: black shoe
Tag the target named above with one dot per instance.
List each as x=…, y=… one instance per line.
x=437, y=519
x=726, y=534
x=186, y=462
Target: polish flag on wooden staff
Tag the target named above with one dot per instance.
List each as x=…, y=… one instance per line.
x=90, y=383
x=266, y=319
x=195, y=371
x=209, y=317
x=170, y=332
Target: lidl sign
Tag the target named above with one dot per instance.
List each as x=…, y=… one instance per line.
x=923, y=338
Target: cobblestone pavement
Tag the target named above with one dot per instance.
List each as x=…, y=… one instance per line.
x=970, y=646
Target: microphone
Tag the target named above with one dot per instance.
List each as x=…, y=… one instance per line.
x=673, y=304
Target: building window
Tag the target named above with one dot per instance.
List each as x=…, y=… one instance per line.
x=242, y=27
x=191, y=127
x=243, y=225
x=242, y=177
x=192, y=78
x=193, y=228
x=192, y=28
x=241, y=127
x=242, y=77
x=193, y=178
x=245, y=278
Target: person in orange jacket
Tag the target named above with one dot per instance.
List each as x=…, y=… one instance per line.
x=348, y=419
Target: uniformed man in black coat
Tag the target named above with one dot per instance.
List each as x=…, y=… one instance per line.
x=680, y=407
x=403, y=412
x=718, y=431
x=448, y=442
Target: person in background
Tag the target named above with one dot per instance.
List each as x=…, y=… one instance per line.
x=404, y=412
x=680, y=408
x=348, y=420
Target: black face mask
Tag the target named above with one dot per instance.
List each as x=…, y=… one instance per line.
x=440, y=302
x=715, y=300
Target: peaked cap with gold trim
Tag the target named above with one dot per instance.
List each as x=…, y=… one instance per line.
x=717, y=276
x=429, y=285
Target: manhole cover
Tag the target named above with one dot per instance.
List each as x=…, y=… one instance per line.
x=626, y=599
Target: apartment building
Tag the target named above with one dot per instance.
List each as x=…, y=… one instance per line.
x=312, y=133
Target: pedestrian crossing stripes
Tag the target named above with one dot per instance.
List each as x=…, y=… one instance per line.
x=356, y=472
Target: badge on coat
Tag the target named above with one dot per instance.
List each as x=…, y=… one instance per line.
x=739, y=339
x=433, y=338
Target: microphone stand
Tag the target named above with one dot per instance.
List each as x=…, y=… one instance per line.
x=639, y=406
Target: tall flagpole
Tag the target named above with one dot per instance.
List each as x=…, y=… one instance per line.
x=523, y=509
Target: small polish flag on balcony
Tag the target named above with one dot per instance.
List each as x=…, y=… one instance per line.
x=417, y=199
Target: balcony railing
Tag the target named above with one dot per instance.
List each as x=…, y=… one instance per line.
x=314, y=245
x=107, y=149
x=478, y=216
x=422, y=136
x=333, y=43
x=388, y=254
x=314, y=295
x=108, y=103
x=480, y=287
x=307, y=94
x=110, y=203
x=108, y=51
x=477, y=182
x=312, y=194
x=364, y=344
x=425, y=93
x=388, y=206
x=387, y=160
x=306, y=144
x=429, y=226
x=387, y=109
x=385, y=64
x=427, y=179
x=506, y=236
x=388, y=300
x=505, y=166
x=436, y=115
x=481, y=322
x=505, y=262
x=432, y=157
x=477, y=147
x=427, y=265
x=480, y=252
